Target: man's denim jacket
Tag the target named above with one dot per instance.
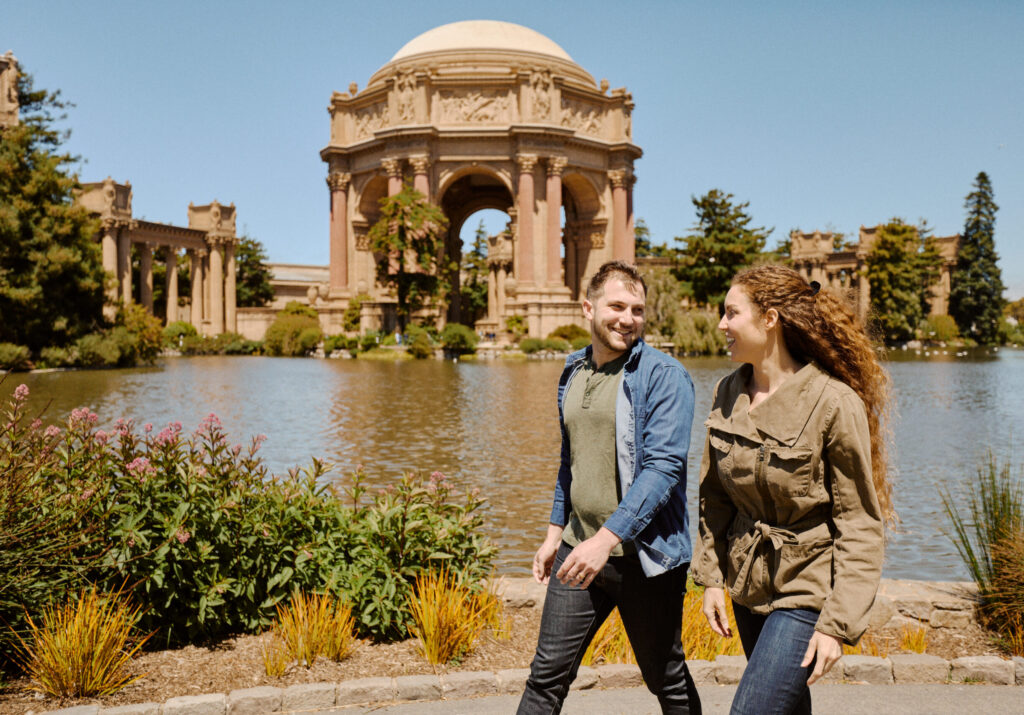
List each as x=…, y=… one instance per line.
x=653, y=414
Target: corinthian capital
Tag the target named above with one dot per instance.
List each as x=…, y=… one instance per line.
x=526, y=162
x=420, y=163
x=338, y=180
x=393, y=167
x=618, y=177
x=556, y=165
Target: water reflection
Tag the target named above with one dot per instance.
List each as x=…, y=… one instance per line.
x=494, y=426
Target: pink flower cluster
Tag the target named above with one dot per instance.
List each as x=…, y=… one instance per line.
x=141, y=468
x=52, y=431
x=169, y=434
x=210, y=423
x=182, y=535
x=83, y=416
x=21, y=392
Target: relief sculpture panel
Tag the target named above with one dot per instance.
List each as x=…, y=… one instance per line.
x=581, y=116
x=476, y=106
x=370, y=119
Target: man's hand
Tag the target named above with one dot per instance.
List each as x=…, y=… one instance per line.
x=825, y=651
x=588, y=558
x=714, y=611
x=545, y=555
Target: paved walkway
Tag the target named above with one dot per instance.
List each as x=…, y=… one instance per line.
x=845, y=699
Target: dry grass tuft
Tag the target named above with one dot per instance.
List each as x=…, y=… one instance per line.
x=611, y=645
x=448, y=617
x=869, y=645
x=82, y=647
x=309, y=627
x=914, y=639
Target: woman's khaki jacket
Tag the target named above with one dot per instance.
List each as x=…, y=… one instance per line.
x=788, y=512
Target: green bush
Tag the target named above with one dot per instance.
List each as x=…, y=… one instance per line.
x=369, y=340
x=580, y=343
x=516, y=324
x=294, y=307
x=420, y=346
x=459, y=339
x=531, y=345
x=570, y=332
x=350, y=318
x=146, y=333
x=176, y=330
x=1010, y=334
x=15, y=357
x=206, y=539
x=56, y=357
x=939, y=327
x=292, y=334
x=333, y=343
x=696, y=333
x=97, y=350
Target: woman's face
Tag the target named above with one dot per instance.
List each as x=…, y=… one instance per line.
x=745, y=333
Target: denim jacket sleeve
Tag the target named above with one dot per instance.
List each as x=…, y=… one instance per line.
x=561, y=506
x=662, y=447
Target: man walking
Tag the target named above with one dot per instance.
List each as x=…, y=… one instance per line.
x=619, y=530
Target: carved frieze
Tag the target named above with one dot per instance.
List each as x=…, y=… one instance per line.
x=405, y=97
x=581, y=116
x=541, y=91
x=586, y=234
x=362, y=238
x=370, y=119
x=471, y=106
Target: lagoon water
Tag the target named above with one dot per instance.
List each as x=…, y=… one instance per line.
x=493, y=425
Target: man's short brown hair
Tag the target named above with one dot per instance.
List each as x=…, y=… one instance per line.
x=625, y=272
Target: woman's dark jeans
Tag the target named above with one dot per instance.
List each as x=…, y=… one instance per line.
x=773, y=681
x=651, y=610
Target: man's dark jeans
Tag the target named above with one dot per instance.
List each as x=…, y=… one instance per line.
x=652, y=612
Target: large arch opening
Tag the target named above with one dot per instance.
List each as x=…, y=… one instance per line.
x=582, y=231
x=478, y=195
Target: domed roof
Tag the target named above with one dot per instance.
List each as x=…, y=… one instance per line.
x=481, y=35
x=483, y=48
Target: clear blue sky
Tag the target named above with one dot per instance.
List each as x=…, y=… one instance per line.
x=823, y=115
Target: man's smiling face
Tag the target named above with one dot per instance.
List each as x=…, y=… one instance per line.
x=616, y=319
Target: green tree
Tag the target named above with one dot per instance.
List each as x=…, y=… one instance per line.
x=976, y=284
x=722, y=243
x=252, y=276
x=643, y=245
x=473, y=284
x=51, y=274
x=902, y=266
x=408, y=241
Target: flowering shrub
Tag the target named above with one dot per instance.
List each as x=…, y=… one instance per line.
x=204, y=538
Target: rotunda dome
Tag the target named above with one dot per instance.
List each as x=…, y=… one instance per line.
x=475, y=47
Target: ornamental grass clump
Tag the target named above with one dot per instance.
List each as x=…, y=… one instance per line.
x=914, y=639
x=448, y=618
x=82, y=648
x=991, y=543
x=699, y=641
x=310, y=627
x=611, y=644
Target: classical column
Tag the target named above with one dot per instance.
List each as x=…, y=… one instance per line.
x=230, y=314
x=109, y=246
x=196, y=257
x=503, y=270
x=492, y=292
x=556, y=165
x=393, y=167
x=338, y=183
x=172, y=284
x=124, y=266
x=420, y=178
x=621, y=241
x=146, y=275
x=217, y=286
x=570, y=264
x=525, y=201
x=630, y=226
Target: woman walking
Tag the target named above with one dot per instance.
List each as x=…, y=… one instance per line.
x=794, y=491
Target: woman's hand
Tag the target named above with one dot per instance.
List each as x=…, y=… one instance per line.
x=825, y=651
x=714, y=611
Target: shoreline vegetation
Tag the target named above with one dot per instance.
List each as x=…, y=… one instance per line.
x=169, y=539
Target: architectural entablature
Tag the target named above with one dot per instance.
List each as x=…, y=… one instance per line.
x=109, y=200
x=9, y=106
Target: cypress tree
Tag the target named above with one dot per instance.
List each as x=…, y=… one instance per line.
x=976, y=285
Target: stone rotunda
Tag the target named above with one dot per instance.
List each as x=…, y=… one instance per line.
x=485, y=115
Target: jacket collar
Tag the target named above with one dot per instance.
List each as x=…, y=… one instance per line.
x=782, y=416
x=587, y=354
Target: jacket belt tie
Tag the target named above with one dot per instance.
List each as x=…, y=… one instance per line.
x=751, y=551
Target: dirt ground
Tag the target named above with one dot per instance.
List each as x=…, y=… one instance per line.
x=237, y=663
